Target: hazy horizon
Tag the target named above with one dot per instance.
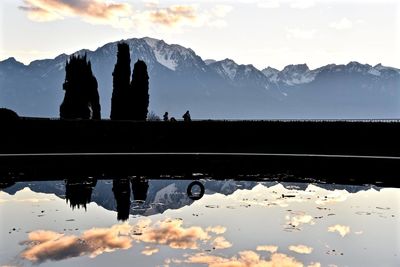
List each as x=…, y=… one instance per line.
x=259, y=32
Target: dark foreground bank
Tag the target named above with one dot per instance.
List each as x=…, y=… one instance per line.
x=333, y=151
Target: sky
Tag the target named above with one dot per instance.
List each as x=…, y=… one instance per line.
x=264, y=33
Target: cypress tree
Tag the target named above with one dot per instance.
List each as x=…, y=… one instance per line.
x=81, y=99
x=121, y=83
x=139, y=91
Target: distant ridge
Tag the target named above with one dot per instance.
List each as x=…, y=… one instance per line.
x=181, y=80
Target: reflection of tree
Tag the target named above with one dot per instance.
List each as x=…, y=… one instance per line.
x=139, y=189
x=122, y=195
x=78, y=191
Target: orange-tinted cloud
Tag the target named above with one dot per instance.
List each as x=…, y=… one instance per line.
x=172, y=15
x=244, y=259
x=301, y=249
x=122, y=15
x=95, y=11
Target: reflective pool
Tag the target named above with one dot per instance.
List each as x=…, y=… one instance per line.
x=236, y=223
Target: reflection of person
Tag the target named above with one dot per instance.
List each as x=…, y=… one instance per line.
x=122, y=195
x=186, y=116
x=139, y=188
x=165, y=117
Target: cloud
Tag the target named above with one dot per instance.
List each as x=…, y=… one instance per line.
x=94, y=11
x=341, y=229
x=173, y=15
x=269, y=4
x=297, y=33
x=221, y=243
x=244, y=259
x=301, y=249
x=302, y=4
x=48, y=245
x=148, y=251
x=271, y=249
x=343, y=24
x=123, y=15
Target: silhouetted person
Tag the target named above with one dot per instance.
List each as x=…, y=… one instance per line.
x=139, y=189
x=120, y=101
x=81, y=100
x=173, y=119
x=186, y=116
x=165, y=117
x=139, y=93
x=78, y=192
x=122, y=195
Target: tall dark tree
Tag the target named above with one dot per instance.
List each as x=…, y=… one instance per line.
x=121, y=84
x=139, y=91
x=81, y=100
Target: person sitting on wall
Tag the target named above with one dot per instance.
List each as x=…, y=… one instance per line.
x=186, y=116
x=165, y=117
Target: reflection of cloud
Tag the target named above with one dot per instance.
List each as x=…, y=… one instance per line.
x=271, y=249
x=221, y=243
x=49, y=245
x=148, y=251
x=245, y=259
x=300, y=219
x=301, y=249
x=343, y=24
x=341, y=229
x=334, y=197
x=216, y=229
x=171, y=233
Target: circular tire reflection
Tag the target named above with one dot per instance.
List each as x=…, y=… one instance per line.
x=195, y=196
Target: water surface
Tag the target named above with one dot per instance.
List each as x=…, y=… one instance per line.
x=236, y=223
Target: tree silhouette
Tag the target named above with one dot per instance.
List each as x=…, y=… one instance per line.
x=81, y=100
x=121, y=84
x=139, y=92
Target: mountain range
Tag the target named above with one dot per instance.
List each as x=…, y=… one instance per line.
x=181, y=80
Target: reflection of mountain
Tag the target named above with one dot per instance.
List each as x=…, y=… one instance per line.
x=161, y=194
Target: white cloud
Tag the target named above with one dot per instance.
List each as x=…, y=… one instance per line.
x=343, y=24
x=297, y=33
x=302, y=4
x=269, y=4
